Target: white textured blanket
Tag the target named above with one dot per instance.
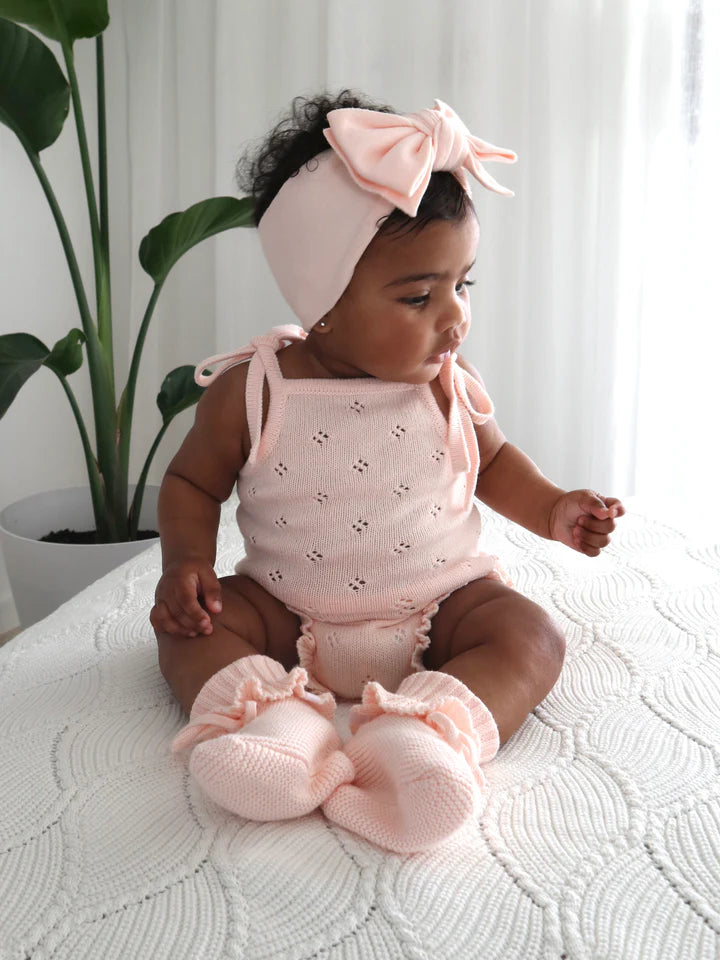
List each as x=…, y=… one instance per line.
x=600, y=837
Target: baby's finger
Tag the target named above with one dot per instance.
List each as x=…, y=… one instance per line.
x=162, y=620
x=591, y=543
x=583, y=547
x=588, y=522
x=188, y=605
x=188, y=623
x=191, y=615
x=211, y=591
x=603, y=507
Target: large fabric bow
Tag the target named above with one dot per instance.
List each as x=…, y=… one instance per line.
x=394, y=156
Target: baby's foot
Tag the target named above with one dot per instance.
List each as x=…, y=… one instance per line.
x=416, y=756
x=262, y=745
x=282, y=765
x=410, y=791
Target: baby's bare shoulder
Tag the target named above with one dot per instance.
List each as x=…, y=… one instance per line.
x=228, y=388
x=215, y=446
x=222, y=408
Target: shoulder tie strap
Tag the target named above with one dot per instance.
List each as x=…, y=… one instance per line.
x=273, y=338
x=469, y=404
x=262, y=352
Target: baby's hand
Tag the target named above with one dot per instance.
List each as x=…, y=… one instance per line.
x=177, y=599
x=584, y=520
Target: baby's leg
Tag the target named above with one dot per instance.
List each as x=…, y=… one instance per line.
x=262, y=745
x=252, y=621
x=506, y=649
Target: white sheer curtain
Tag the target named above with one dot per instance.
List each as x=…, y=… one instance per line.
x=678, y=320
x=596, y=304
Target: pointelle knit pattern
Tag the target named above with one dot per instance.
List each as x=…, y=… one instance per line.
x=357, y=510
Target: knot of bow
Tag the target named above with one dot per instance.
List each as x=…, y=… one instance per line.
x=395, y=155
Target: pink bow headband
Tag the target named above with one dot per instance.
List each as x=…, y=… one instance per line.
x=323, y=218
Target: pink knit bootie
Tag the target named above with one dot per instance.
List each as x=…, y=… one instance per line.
x=417, y=756
x=263, y=746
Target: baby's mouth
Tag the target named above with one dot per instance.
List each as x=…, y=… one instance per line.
x=440, y=357
x=444, y=354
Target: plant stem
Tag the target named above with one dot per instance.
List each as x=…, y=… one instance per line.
x=99, y=359
x=128, y=399
x=134, y=515
x=84, y=157
x=104, y=293
x=102, y=521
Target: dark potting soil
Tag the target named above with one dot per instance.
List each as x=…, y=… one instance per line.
x=87, y=536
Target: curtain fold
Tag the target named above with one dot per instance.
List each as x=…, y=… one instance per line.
x=595, y=308
x=573, y=325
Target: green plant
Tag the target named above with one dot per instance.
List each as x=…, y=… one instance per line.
x=35, y=99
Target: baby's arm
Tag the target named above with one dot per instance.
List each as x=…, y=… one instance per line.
x=511, y=484
x=199, y=479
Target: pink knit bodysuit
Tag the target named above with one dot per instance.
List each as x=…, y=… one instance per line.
x=357, y=511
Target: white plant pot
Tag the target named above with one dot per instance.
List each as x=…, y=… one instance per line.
x=44, y=575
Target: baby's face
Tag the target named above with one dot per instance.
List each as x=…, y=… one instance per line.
x=406, y=306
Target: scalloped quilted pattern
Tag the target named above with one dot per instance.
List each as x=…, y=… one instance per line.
x=599, y=839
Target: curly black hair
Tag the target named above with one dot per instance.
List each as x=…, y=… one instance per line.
x=298, y=137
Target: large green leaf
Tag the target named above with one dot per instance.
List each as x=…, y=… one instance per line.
x=178, y=232
x=34, y=94
x=75, y=18
x=20, y=356
x=66, y=356
x=178, y=392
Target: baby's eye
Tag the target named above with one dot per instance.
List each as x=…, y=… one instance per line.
x=419, y=301
x=422, y=300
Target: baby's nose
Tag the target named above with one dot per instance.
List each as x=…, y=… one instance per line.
x=453, y=315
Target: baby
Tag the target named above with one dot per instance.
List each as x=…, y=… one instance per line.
x=358, y=442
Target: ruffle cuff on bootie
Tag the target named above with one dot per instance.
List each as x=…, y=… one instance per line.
x=445, y=704
x=236, y=695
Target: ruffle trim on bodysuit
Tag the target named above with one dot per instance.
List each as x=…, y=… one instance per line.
x=307, y=645
x=306, y=650
x=499, y=573
x=422, y=638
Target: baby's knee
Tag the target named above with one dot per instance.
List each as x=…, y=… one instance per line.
x=550, y=638
x=530, y=637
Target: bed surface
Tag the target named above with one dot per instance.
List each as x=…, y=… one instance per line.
x=600, y=837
